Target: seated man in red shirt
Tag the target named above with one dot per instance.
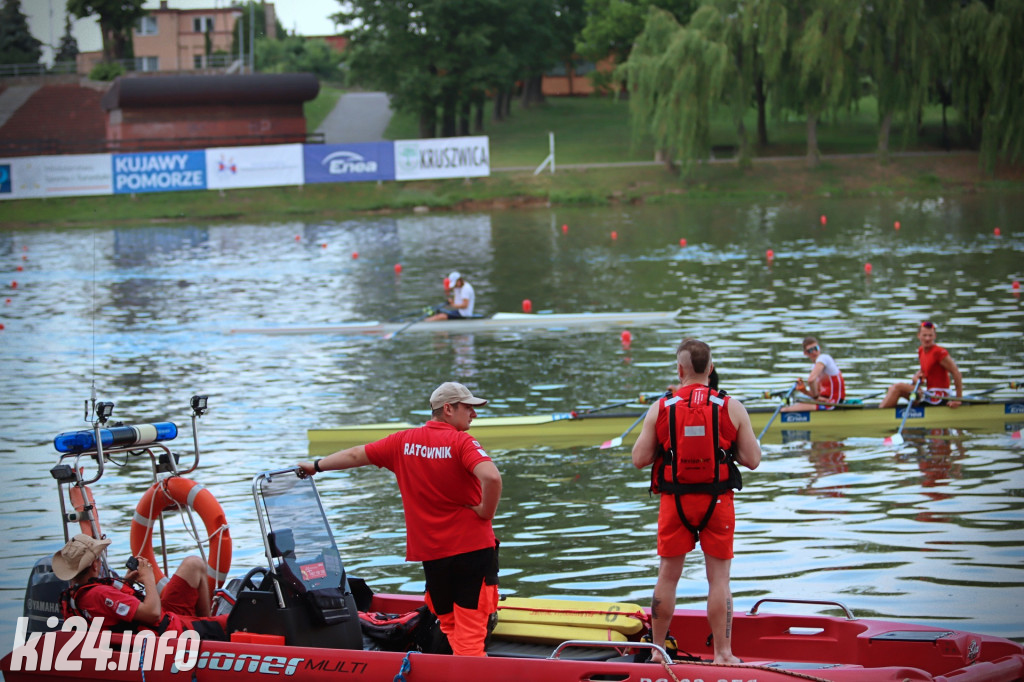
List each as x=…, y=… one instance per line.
x=937, y=366
x=183, y=605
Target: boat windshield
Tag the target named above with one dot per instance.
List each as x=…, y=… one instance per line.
x=292, y=507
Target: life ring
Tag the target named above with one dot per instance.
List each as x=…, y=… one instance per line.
x=178, y=491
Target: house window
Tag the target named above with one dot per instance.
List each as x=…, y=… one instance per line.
x=147, y=64
x=146, y=26
x=202, y=24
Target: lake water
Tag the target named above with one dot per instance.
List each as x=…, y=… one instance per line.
x=930, y=532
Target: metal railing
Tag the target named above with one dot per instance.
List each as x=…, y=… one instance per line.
x=14, y=70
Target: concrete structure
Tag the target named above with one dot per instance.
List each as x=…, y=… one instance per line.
x=189, y=112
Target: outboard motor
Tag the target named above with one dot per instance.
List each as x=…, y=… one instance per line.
x=42, y=596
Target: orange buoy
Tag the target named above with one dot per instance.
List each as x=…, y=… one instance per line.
x=565, y=229
x=997, y=232
x=682, y=243
x=298, y=238
x=867, y=268
x=896, y=225
x=527, y=305
x=615, y=235
x=183, y=492
x=398, y=268
x=824, y=219
x=626, y=338
x=769, y=255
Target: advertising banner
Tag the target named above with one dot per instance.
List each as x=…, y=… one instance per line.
x=30, y=177
x=267, y=166
x=449, y=157
x=159, y=171
x=354, y=162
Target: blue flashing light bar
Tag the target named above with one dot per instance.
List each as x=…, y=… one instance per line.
x=115, y=436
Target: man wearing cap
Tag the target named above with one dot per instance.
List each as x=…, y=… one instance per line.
x=183, y=605
x=461, y=299
x=450, y=491
x=937, y=366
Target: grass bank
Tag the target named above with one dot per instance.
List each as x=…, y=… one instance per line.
x=768, y=180
x=588, y=131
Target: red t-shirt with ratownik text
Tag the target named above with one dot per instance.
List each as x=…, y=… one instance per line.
x=434, y=467
x=935, y=375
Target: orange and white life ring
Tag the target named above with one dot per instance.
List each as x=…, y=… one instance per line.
x=178, y=491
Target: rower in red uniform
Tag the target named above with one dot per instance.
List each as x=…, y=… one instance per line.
x=450, y=491
x=825, y=383
x=937, y=366
x=692, y=440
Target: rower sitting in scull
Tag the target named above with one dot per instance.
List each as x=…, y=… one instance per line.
x=461, y=299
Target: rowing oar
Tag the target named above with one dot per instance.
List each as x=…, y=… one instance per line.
x=391, y=335
x=617, y=441
x=974, y=398
x=897, y=438
x=641, y=399
x=777, y=410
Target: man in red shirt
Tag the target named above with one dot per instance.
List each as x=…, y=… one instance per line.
x=184, y=603
x=450, y=491
x=937, y=366
x=696, y=488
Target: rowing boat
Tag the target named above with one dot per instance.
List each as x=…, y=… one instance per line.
x=302, y=614
x=569, y=430
x=498, y=322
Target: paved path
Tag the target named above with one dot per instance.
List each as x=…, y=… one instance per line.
x=12, y=98
x=357, y=117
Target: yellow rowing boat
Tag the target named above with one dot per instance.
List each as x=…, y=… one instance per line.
x=566, y=430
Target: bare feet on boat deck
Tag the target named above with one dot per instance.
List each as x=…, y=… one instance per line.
x=656, y=657
x=727, y=660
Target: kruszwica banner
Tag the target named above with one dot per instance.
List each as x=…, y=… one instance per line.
x=447, y=157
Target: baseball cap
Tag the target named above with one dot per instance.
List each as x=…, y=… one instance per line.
x=453, y=392
x=453, y=277
x=77, y=555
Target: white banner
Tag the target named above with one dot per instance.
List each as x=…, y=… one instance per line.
x=77, y=175
x=267, y=166
x=447, y=157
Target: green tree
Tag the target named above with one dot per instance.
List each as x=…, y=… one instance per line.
x=116, y=18
x=900, y=42
x=68, y=49
x=295, y=54
x=17, y=44
x=675, y=75
x=821, y=73
x=257, y=10
x=612, y=26
x=986, y=68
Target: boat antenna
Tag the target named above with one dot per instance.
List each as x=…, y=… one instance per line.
x=90, y=408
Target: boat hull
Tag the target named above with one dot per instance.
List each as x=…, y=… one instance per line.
x=774, y=648
x=564, y=430
x=499, y=322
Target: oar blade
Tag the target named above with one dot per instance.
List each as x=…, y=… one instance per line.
x=613, y=443
x=894, y=439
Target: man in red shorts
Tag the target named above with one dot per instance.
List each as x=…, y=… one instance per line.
x=695, y=477
x=184, y=603
x=450, y=491
x=937, y=366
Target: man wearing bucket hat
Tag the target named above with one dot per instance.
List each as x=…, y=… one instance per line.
x=184, y=603
x=461, y=299
x=450, y=491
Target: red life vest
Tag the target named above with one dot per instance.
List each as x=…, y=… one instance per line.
x=694, y=456
x=69, y=606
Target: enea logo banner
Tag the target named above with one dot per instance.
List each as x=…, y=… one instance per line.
x=356, y=162
x=159, y=171
x=451, y=157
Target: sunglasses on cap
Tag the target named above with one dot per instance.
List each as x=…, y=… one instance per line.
x=928, y=324
x=811, y=349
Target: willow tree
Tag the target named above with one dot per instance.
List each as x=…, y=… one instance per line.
x=675, y=76
x=1003, y=60
x=900, y=41
x=827, y=63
